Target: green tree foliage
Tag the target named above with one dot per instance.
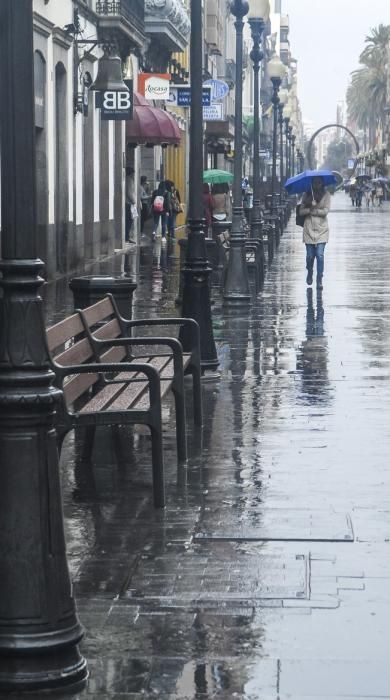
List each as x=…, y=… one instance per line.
x=367, y=92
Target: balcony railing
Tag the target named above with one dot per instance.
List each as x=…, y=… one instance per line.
x=133, y=11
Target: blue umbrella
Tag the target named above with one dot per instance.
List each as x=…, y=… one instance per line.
x=302, y=182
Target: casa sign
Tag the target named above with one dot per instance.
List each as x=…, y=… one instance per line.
x=154, y=86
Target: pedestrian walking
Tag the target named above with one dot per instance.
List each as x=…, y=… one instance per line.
x=176, y=208
x=207, y=206
x=359, y=196
x=314, y=208
x=367, y=197
x=379, y=195
x=220, y=194
x=161, y=205
x=145, y=201
x=130, y=204
x=373, y=196
x=352, y=194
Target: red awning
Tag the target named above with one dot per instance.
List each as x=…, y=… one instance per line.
x=151, y=125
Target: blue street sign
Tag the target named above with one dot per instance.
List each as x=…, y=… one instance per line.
x=181, y=96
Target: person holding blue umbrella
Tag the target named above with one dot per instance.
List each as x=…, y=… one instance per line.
x=314, y=208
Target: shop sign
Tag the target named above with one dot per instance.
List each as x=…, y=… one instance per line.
x=180, y=96
x=219, y=89
x=154, y=86
x=213, y=113
x=115, y=105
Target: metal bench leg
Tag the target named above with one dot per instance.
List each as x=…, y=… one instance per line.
x=158, y=466
x=181, y=428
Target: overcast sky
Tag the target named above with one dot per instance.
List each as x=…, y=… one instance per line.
x=326, y=37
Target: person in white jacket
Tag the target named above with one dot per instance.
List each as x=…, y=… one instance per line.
x=315, y=207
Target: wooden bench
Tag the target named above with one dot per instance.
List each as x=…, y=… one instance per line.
x=105, y=383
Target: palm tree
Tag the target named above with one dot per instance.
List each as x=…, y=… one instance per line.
x=367, y=92
x=377, y=44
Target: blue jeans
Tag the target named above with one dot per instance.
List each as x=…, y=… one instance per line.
x=315, y=252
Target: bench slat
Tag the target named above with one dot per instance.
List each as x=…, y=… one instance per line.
x=77, y=385
x=111, y=329
x=99, y=311
x=64, y=330
x=77, y=354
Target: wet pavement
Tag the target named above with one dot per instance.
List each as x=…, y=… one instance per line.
x=267, y=576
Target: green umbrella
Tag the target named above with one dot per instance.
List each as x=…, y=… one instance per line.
x=214, y=177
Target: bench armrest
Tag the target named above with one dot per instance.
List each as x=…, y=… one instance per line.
x=172, y=343
x=150, y=372
x=137, y=323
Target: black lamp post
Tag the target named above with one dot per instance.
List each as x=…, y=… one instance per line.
x=236, y=291
x=39, y=629
x=276, y=72
x=293, y=139
x=258, y=15
x=196, y=270
x=287, y=113
x=282, y=100
x=289, y=137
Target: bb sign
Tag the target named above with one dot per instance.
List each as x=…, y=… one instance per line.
x=115, y=104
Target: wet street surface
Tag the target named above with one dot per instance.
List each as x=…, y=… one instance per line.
x=267, y=576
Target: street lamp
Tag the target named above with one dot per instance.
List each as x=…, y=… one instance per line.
x=39, y=628
x=287, y=116
x=257, y=16
x=236, y=291
x=283, y=97
x=276, y=72
x=196, y=270
x=293, y=139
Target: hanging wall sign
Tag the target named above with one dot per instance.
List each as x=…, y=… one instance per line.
x=180, y=96
x=154, y=86
x=219, y=89
x=115, y=105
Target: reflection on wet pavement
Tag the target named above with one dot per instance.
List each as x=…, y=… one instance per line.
x=267, y=576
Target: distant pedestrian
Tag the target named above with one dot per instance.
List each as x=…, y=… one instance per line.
x=221, y=202
x=145, y=201
x=161, y=205
x=176, y=208
x=359, y=196
x=352, y=194
x=315, y=207
x=367, y=197
x=379, y=195
x=207, y=206
x=131, y=213
x=373, y=196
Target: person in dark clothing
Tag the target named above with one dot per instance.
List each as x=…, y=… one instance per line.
x=176, y=208
x=161, y=205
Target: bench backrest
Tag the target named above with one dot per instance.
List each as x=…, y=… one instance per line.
x=102, y=321
x=68, y=345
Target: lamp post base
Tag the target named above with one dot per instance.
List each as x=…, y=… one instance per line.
x=61, y=669
x=236, y=288
x=196, y=295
